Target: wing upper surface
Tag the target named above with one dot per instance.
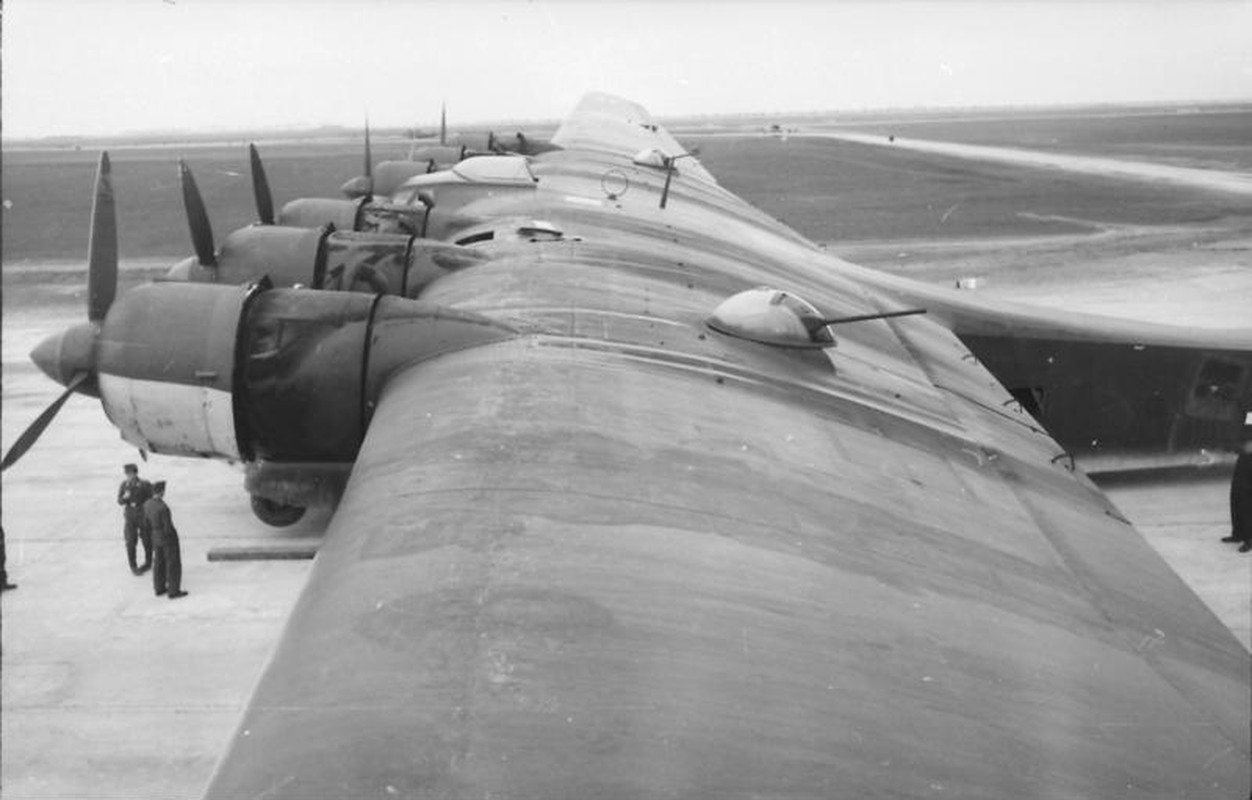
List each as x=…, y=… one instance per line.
x=603, y=122
x=624, y=556
x=561, y=570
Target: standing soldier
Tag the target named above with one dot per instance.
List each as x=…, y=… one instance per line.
x=132, y=494
x=4, y=576
x=167, y=567
x=1241, y=493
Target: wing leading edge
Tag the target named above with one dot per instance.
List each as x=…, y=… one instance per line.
x=622, y=556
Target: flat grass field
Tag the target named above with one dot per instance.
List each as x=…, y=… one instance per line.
x=1216, y=137
x=834, y=192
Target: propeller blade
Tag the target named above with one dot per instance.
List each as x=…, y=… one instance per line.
x=36, y=428
x=261, y=188
x=102, y=247
x=197, y=217
x=369, y=159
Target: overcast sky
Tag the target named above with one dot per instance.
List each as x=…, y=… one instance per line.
x=109, y=66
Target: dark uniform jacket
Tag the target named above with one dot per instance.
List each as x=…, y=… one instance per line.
x=157, y=514
x=133, y=494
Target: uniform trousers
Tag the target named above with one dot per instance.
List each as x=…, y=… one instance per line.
x=167, y=566
x=135, y=530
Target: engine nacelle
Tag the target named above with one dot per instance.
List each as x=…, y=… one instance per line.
x=286, y=256
x=391, y=175
x=435, y=157
x=361, y=215
x=522, y=144
x=372, y=263
x=315, y=212
x=450, y=196
x=165, y=360
x=259, y=374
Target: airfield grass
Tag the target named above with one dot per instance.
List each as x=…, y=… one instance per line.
x=830, y=191
x=1214, y=137
x=50, y=192
x=845, y=192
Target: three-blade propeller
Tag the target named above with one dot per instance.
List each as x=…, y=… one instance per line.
x=68, y=357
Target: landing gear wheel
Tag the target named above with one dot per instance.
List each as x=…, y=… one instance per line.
x=274, y=513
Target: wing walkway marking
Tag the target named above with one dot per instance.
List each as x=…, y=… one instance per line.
x=1212, y=180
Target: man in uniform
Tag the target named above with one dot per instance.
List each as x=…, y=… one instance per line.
x=1241, y=493
x=4, y=575
x=132, y=494
x=167, y=566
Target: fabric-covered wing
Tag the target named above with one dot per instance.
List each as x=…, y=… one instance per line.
x=1117, y=393
x=562, y=571
x=623, y=555
x=608, y=124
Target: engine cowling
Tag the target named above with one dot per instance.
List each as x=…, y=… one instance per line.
x=315, y=212
x=165, y=361
x=436, y=157
x=371, y=263
x=260, y=374
x=391, y=175
x=522, y=144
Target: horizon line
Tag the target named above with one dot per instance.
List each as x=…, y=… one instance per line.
x=232, y=132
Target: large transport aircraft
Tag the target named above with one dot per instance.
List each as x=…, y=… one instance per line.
x=641, y=494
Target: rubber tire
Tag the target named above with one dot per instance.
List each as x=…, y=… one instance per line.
x=276, y=514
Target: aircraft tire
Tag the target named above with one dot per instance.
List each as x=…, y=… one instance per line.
x=275, y=514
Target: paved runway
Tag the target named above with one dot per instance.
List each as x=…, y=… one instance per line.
x=108, y=690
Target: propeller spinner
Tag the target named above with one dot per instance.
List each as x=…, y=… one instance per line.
x=69, y=356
